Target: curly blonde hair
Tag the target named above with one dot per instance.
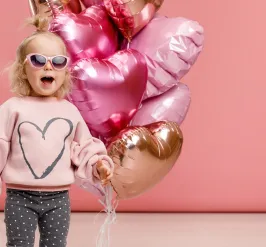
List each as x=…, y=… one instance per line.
x=17, y=75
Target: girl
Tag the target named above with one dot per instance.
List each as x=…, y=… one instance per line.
x=45, y=145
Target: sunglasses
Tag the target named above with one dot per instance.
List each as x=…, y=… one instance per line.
x=38, y=61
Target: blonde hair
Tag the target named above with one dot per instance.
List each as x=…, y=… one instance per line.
x=17, y=75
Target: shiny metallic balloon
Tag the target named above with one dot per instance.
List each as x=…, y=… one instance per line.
x=90, y=34
x=42, y=8
x=172, y=105
x=108, y=91
x=171, y=47
x=143, y=156
x=74, y=6
x=89, y=3
x=132, y=16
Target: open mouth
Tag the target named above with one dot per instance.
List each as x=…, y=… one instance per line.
x=47, y=79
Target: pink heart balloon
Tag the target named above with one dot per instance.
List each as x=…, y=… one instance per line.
x=88, y=34
x=108, y=92
x=171, y=47
x=171, y=106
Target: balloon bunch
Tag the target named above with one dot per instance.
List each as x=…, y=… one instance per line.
x=127, y=62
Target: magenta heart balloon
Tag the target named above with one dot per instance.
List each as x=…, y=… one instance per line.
x=88, y=34
x=88, y=3
x=108, y=92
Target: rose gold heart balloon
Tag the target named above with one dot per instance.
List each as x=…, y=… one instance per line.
x=42, y=8
x=131, y=16
x=143, y=156
x=74, y=6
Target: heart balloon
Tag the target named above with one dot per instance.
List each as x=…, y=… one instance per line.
x=131, y=16
x=171, y=47
x=88, y=3
x=88, y=34
x=32, y=7
x=108, y=92
x=74, y=6
x=172, y=106
x=143, y=156
x=42, y=8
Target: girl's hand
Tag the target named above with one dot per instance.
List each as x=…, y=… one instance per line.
x=104, y=172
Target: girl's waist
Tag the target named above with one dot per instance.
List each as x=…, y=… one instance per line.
x=37, y=187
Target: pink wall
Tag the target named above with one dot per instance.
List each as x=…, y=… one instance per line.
x=223, y=164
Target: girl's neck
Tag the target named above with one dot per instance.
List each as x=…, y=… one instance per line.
x=42, y=98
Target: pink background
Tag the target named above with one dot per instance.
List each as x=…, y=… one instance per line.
x=223, y=164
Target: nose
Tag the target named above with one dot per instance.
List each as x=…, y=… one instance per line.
x=48, y=66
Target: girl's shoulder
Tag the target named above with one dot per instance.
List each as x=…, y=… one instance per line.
x=10, y=102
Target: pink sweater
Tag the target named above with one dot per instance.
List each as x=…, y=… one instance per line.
x=46, y=145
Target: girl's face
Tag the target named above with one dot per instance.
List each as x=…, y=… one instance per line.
x=47, y=79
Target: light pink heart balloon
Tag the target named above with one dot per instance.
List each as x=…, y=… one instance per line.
x=172, y=105
x=88, y=34
x=108, y=92
x=171, y=47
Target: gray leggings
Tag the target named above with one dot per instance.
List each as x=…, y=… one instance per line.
x=24, y=210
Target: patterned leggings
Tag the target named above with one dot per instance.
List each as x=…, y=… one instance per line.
x=24, y=210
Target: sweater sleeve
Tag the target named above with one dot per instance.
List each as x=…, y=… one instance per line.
x=7, y=122
x=86, y=151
